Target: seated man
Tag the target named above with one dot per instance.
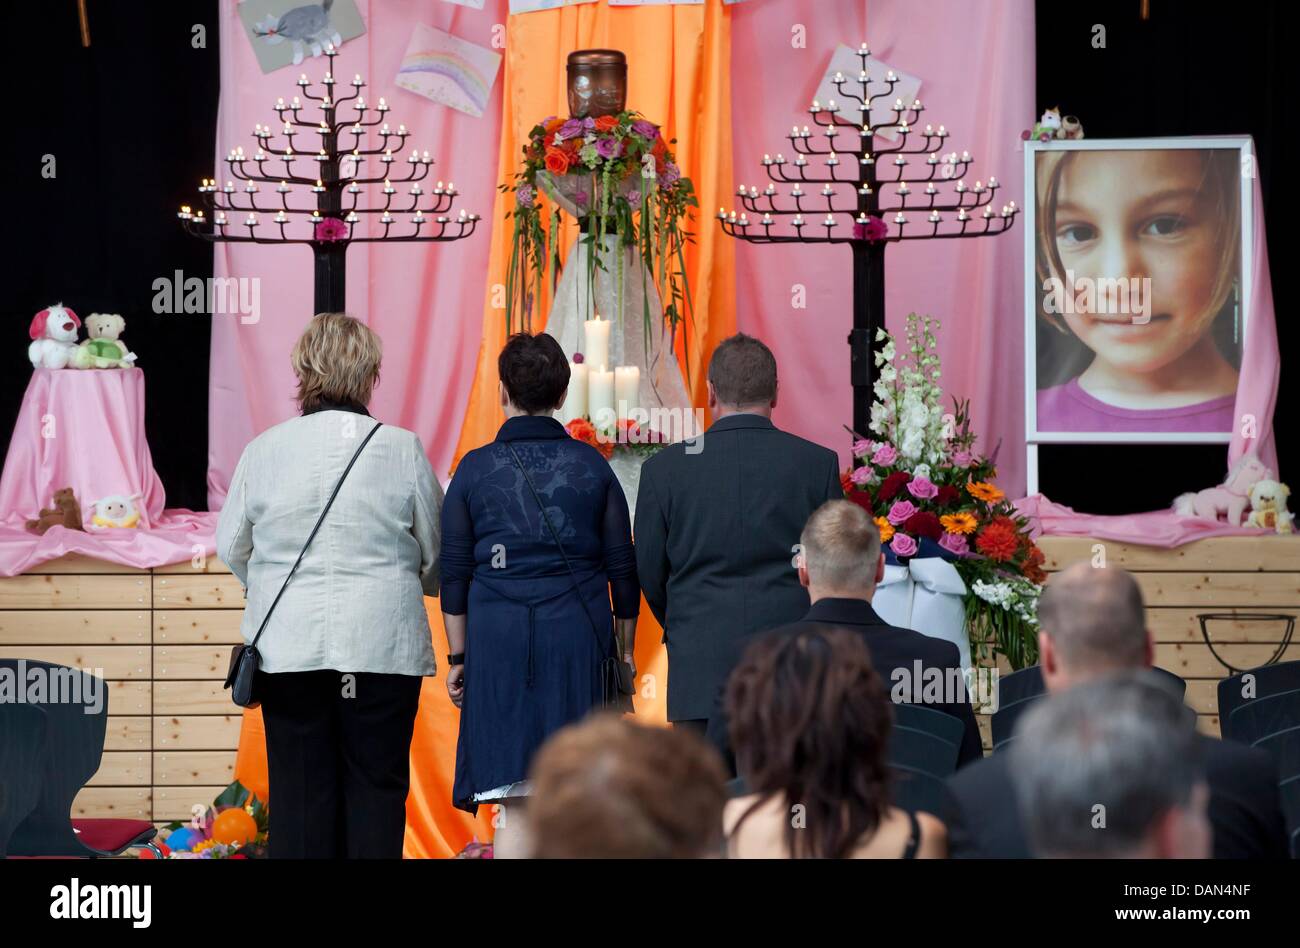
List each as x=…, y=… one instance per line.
x=1092, y=625
x=1112, y=769
x=840, y=565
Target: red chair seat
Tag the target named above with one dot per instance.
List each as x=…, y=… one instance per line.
x=114, y=836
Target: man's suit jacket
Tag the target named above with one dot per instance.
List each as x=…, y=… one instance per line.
x=891, y=648
x=984, y=819
x=717, y=522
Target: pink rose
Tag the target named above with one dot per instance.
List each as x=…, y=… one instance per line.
x=963, y=458
x=862, y=447
x=903, y=545
x=884, y=455
x=861, y=476
x=954, y=543
x=922, y=488
x=901, y=512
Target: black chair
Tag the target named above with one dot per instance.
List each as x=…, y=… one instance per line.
x=22, y=742
x=916, y=791
x=920, y=718
x=74, y=746
x=1289, y=790
x=924, y=743
x=1268, y=681
x=1017, y=691
x=1261, y=718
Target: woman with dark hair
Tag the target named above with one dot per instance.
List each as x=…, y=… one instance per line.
x=536, y=542
x=810, y=722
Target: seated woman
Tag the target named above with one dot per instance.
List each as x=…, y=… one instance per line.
x=810, y=722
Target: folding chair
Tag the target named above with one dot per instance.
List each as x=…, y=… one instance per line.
x=22, y=742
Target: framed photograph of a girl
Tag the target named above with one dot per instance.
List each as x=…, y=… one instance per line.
x=1138, y=251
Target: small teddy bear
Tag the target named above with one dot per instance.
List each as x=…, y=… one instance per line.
x=103, y=349
x=1053, y=126
x=66, y=512
x=1268, y=507
x=116, y=511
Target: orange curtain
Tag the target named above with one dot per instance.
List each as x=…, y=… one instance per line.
x=679, y=66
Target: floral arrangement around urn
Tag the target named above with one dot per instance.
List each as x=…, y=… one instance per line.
x=931, y=493
x=234, y=827
x=617, y=173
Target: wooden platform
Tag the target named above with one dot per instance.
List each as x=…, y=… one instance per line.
x=161, y=638
x=1239, y=576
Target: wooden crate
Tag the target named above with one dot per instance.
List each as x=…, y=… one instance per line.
x=161, y=639
x=1237, y=576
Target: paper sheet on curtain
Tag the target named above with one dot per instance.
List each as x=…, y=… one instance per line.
x=448, y=70
x=529, y=6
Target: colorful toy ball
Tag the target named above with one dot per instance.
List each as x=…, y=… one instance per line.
x=183, y=839
x=234, y=827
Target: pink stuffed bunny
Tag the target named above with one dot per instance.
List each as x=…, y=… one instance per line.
x=1231, y=499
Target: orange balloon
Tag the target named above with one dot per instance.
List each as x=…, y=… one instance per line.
x=234, y=827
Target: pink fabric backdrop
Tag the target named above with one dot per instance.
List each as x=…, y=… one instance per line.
x=424, y=300
x=84, y=429
x=976, y=65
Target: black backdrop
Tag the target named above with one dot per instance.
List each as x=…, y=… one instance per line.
x=131, y=123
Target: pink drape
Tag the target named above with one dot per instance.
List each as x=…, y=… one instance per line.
x=976, y=63
x=425, y=300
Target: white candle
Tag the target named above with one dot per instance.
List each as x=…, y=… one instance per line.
x=575, y=402
x=627, y=389
x=600, y=398
x=596, y=336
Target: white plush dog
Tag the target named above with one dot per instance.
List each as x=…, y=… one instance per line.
x=55, y=333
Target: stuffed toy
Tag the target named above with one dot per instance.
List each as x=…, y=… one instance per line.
x=1268, y=507
x=1231, y=499
x=103, y=349
x=66, y=512
x=54, y=334
x=116, y=511
x=1052, y=126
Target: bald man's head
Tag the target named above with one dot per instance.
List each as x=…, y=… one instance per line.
x=1093, y=622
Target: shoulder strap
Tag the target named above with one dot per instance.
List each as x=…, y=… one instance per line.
x=573, y=576
x=319, y=520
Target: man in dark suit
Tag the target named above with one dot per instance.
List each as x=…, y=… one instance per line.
x=1092, y=626
x=840, y=565
x=717, y=520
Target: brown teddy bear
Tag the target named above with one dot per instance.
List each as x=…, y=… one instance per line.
x=66, y=512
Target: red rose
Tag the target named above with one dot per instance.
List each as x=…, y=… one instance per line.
x=846, y=483
x=606, y=123
x=892, y=485
x=861, y=497
x=557, y=162
x=947, y=495
x=923, y=524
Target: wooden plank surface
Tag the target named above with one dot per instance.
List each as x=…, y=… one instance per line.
x=1193, y=660
x=178, y=803
x=210, y=565
x=130, y=697
x=197, y=626
x=80, y=563
x=176, y=698
x=1217, y=591
x=216, y=591
x=124, y=803
x=123, y=769
x=190, y=661
x=196, y=732
x=1248, y=553
x=107, y=661
x=75, y=627
x=1173, y=624
x=194, y=767
x=64, y=591
x=127, y=732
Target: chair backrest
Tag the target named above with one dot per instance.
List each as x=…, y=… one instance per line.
x=22, y=743
x=1261, y=718
x=920, y=718
x=1265, y=682
x=918, y=792
x=1019, y=690
x=76, y=708
x=922, y=751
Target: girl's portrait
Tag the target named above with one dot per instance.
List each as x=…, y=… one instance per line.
x=1138, y=269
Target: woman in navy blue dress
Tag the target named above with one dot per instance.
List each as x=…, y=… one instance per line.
x=525, y=657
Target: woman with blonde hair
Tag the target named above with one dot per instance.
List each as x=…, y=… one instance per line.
x=345, y=644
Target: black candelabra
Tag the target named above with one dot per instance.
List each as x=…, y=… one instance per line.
x=932, y=203
x=329, y=222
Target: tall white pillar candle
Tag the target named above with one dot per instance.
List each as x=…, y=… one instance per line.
x=596, y=337
x=600, y=398
x=575, y=403
x=627, y=389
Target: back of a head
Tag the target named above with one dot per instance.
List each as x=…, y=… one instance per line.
x=607, y=788
x=841, y=548
x=336, y=360
x=534, y=371
x=809, y=722
x=1099, y=765
x=743, y=372
x=1095, y=619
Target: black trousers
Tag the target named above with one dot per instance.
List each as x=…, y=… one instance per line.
x=338, y=754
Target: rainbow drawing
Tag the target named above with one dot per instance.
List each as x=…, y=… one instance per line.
x=449, y=70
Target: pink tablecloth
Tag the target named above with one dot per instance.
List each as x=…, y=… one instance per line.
x=84, y=429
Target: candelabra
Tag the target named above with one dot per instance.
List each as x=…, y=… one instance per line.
x=329, y=226
x=946, y=206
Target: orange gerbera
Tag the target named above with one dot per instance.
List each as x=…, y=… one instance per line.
x=962, y=523
x=999, y=540
x=886, y=529
x=606, y=123
x=983, y=490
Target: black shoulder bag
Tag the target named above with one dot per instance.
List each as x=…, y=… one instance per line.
x=616, y=684
x=245, y=662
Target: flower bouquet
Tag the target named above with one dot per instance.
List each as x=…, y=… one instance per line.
x=617, y=174
x=931, y=493
x=627, y=437
x=234, y=827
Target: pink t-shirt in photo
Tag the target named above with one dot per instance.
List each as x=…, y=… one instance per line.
x=1069, y=408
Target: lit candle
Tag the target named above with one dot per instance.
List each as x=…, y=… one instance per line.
x=596, y=338
x=600, y=395
x=575, y=401
x=627, y=389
